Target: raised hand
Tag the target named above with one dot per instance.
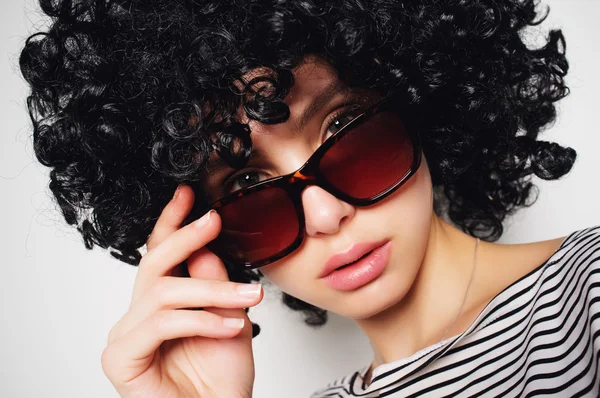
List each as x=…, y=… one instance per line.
x=162, y=347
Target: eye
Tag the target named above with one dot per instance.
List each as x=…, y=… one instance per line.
x=339, y=120
x=243, y=179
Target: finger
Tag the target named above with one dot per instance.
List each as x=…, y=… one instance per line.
x=177, y=247
x=204, y=264
x=129, y=356
x=172, y=216
x=174, y=293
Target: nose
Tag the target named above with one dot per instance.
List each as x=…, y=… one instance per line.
x=324, y=213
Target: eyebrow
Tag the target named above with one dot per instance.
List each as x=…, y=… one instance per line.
x=217, y=164
x=322, y=98
x=319, y=101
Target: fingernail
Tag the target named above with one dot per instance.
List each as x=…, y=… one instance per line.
x=249, y=289
x=236, y=323
x=176, y=194
x=204, y=220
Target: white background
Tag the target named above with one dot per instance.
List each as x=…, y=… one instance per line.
x=58, y=300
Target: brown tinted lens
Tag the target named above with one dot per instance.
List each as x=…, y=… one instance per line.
x=258, y=225
x=370, y=158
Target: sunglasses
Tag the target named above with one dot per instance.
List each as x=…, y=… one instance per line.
x=366, y=160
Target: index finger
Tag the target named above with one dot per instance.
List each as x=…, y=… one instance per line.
x=172, y=216
x=175, y=248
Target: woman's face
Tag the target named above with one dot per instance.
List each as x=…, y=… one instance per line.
x=332, y=226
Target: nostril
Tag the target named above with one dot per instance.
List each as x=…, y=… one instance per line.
x=344, y=220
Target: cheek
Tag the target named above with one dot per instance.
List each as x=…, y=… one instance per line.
x=289, y=274
x=410, y=211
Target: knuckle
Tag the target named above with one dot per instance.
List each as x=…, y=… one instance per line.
x=115, y=332
x=106, y=359
x=150, y=244
x=150, y=239
x=112, y=335
x=218, y=292
x=161, y=322
x=209, y=321
x=145, y=259
x=162, y=291
x=226, y=291
x=211, y=288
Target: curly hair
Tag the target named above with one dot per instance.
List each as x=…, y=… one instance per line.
x=126, y=96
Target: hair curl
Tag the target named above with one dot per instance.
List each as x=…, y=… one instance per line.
x=127, y=97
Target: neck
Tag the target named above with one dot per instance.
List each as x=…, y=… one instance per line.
x=433, y=301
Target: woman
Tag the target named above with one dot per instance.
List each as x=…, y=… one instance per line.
x=361, y=156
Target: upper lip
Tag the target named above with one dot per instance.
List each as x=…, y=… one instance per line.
x=353, y=253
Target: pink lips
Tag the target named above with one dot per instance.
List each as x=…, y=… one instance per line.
x=367, y=266
x=355, y=252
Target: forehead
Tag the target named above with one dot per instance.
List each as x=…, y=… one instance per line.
x=311, y=77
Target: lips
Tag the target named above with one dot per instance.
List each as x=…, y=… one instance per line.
x=349, y=256
x=358, y=259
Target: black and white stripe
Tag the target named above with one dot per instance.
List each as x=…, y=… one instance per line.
x=538, y=337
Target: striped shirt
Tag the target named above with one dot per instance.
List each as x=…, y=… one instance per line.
x=537, y=337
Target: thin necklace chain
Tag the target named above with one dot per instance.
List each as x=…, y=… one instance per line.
x=466, y=292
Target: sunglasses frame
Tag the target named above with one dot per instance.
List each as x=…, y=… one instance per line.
x=309, y=174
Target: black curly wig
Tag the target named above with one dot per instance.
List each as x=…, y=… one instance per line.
x=128, y=95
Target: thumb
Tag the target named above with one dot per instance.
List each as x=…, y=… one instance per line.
x=204, y=264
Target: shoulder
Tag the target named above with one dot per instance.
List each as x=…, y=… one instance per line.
x=579, y=253
x=575, y=269
x=582, y=247
x=509, y=267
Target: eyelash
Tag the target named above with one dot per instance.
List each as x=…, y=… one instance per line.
x=348, y=110
x=342, y=113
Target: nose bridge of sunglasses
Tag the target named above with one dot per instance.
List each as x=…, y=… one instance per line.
x=302, y=179
x=299, y=176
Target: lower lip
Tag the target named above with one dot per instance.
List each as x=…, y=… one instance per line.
x=362, y=272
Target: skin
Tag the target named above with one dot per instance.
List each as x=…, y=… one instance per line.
x=431, y=262
x=162, y=348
